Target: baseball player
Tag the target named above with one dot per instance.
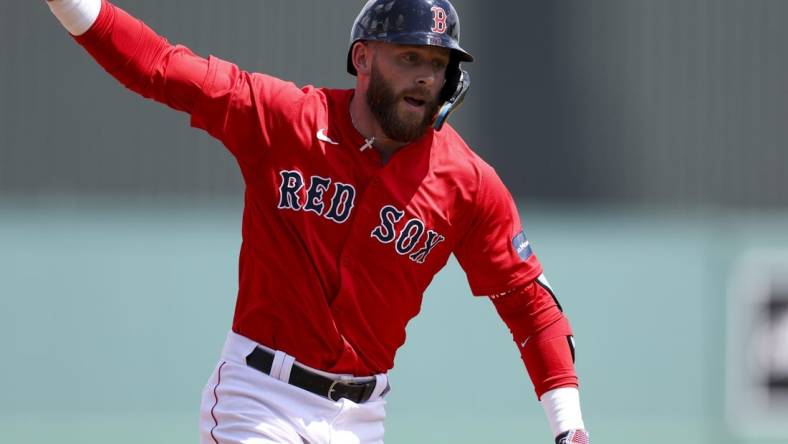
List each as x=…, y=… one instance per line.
x=354, y=200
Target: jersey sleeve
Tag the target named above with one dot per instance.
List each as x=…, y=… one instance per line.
x=239, y=108
x=494, y=251
x=244, y=110
x=542, y=334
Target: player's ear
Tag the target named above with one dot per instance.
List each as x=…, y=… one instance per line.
x=362, y=57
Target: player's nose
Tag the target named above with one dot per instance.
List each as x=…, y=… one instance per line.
x=425, y=83
x=426, y=76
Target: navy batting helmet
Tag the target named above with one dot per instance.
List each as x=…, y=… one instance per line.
x=417, y=22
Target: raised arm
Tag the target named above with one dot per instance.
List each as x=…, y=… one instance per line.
x=241, y=109
x=133, y=53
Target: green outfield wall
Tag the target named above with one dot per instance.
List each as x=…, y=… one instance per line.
x=113, y=311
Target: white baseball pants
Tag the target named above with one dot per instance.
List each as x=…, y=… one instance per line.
x=241, y=405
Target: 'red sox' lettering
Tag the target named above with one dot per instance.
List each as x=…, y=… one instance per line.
x=405, y=240
x=338, y=209
x=414, y=232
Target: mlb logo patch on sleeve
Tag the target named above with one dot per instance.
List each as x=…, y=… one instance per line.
x=522, y=246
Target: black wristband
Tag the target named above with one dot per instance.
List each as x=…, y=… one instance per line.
x=572, y=437
x=561, y=439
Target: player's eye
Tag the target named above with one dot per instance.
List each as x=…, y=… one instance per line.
x=410, y=57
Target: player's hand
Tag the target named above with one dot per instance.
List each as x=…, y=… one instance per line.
x=573, y=437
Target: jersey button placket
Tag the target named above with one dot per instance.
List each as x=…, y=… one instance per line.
x=363, y=213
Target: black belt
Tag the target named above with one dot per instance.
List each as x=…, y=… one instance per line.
x=333, y=389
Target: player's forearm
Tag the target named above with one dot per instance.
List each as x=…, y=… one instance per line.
x=542, y=334
x=133, y=53
x=544, y=337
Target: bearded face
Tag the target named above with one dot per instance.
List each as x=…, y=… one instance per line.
x=404, y=116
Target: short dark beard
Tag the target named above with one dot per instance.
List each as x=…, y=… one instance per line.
x=382, y=101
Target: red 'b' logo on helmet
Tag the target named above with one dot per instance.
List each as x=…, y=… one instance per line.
x=438, y=20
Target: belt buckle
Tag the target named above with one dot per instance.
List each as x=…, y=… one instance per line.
x=344, y=382
x=332, y=387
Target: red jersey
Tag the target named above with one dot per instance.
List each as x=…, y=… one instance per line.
x=338, y=248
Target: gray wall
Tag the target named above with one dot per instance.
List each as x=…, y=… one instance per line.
x=670, y=101
x=674, y=102
x=66, y=126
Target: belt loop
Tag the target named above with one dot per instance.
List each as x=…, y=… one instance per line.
x=287, y=365
x=381, y=382
x=276, y=366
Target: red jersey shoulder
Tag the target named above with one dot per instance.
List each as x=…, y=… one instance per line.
x=492, y=248
x=317, y=118
x=459, y=164
x=297, y=109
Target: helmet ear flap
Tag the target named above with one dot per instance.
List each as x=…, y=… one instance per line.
x=462, y=84
x=456, y=88
x=452, y=77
